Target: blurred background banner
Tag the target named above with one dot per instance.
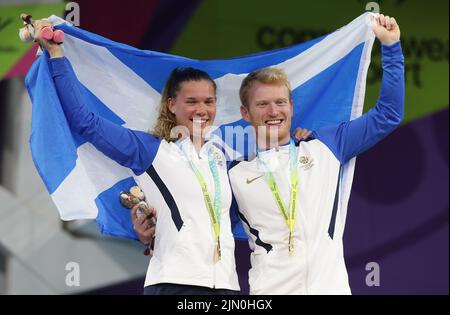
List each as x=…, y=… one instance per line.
x=14, y=55
x=222, y=29
x=398, y=212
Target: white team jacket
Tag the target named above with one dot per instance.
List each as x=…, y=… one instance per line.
x=184, y=242
x=317, y=265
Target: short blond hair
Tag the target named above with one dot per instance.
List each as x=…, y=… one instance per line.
x=272, y=76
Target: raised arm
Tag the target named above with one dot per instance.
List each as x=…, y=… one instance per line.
x=348, y=139
x=132, y=149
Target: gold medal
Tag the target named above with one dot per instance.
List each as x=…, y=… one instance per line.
x=217, y=252
x=291, y=244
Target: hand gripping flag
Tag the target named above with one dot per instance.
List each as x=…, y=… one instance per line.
x=123, y=84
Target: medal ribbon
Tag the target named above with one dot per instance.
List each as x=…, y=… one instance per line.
x=289, y=217
x=214, y=210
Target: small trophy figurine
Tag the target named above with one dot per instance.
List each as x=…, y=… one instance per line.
x=26, y=33
x=133, y=197
x=129, y=200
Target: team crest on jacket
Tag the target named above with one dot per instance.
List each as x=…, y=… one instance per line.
x=217, y=157
x=306, y=162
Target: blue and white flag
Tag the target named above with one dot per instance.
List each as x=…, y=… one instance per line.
x=123, y=84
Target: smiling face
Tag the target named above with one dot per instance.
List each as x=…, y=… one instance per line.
x=194, y=106
x=269, y=109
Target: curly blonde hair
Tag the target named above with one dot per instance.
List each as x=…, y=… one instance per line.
x=166, y=119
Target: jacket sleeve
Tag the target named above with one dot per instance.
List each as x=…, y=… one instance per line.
x=348, y=139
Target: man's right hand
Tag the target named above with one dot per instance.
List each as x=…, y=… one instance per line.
x=386, y=29
x=53, y=49
x=143, y=226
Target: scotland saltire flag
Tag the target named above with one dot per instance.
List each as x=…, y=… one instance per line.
x=123, y=84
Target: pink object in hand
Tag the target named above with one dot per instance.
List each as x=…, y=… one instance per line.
x=47, y=33
x=58, y=36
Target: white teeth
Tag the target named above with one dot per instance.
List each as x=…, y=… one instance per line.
x=199, y=120
x=273, y=122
